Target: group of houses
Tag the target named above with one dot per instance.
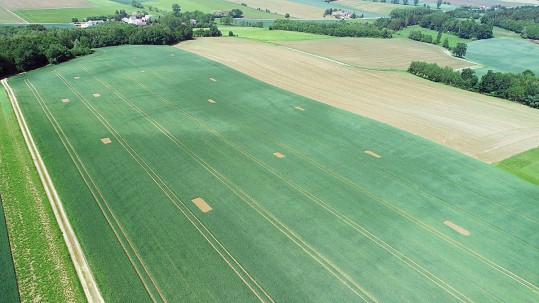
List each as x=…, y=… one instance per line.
x=133, y=19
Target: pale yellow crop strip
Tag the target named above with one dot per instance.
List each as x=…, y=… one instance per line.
x=145, y=166
x=282, y=224
x=85, y=175
x=82, y=98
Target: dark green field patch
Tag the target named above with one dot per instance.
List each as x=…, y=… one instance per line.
x=325, y=223
x=8, y=280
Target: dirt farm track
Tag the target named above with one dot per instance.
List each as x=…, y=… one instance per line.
x=486, y=128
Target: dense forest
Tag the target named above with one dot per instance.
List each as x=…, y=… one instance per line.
x=522, y=88
x=337, y=29
x=523, y=20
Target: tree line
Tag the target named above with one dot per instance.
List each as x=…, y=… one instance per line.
x=337, y=29
x=522, y=87
x=523, y=20
x=435, y=20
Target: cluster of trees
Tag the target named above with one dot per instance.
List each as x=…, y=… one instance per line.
x=522, y=88
x=435, y=20
x=329, y=12
x=458, y=51
x=212, y=31
x=523, y=20
x=25, y=48
x=338, y=29
x=234, y=13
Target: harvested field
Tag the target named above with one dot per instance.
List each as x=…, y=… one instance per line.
x=7, y=16
x=32, y=4
x=351, y=224
x=483, y=127
x=378, y=53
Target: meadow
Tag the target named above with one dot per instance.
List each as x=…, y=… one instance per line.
x=525, y=165
x=41, y=260
x=264, y=34
x=186, y=180
x=504, y=55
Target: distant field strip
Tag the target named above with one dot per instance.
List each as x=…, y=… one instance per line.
x=378, y=53
x=296, y=10
x=486, y=128
x=30, y=4
x=7, y=16
x=299, y=210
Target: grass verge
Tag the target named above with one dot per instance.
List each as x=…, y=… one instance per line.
x=42, y=263
x=524, y=165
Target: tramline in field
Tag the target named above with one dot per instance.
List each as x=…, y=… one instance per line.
x=263, y=195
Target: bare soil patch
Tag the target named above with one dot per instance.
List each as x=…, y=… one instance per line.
x=212, y=79
x=202, y=205
x=368, y=152
x=457, y=228
x=96, y=95
x=278, y=155
x=106, y=140
x=378, y=53
x=487, y=128
x=299, y=108
x=76, y=77
x=65, y=100
x=211, y=101
x=32, y=4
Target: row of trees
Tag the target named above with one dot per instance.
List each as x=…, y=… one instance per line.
x=338, y=29
x=522, y=87
x=523, y=20
x=458, y=51
x=27, y=48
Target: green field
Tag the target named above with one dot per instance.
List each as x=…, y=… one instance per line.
x=325, y=223
x=504, y=55
x=42, y=263
x=264, y=34
x=8, y=280
x=452, y=39
x=524, y=165
x=107, y=7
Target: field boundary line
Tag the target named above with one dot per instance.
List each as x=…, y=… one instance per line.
x=102, y=198
x=19, y=17
x=75, y=251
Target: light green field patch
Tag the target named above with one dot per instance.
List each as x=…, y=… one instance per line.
x=326, y=223
x=504, y=55
x=452, y=39
x=64, y=15
x=210, y=5
x=503, y=33
x=524, y=165
x=264, y=34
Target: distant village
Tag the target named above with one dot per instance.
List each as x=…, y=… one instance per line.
x=133, y=19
